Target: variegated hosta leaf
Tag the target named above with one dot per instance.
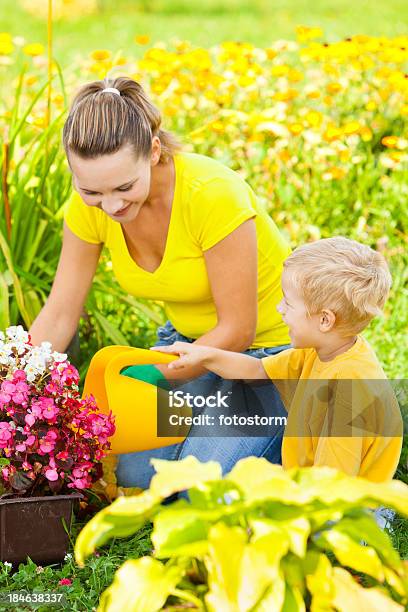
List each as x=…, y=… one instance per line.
x=349, y=595
x=140, y=585
x=350, y=553
x=331, y=486
x=122, y=518
x=243, y=575
x=175, y=476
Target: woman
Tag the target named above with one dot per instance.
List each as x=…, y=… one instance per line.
x=180, y=228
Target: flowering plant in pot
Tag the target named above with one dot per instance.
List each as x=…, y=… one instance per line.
x=51, y=444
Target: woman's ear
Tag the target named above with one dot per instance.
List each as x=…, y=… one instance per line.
x=156, y=151
x=327, y=319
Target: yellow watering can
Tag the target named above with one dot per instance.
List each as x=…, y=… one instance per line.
x=133, y=402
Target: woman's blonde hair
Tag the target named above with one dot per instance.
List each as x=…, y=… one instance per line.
x=101, y=123
x=343, y=275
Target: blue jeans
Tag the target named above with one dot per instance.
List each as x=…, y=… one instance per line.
x=134, y=469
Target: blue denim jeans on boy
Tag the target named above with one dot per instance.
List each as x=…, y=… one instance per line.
x=134, y=469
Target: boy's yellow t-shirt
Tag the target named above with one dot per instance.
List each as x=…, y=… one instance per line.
x=342, y=413
x=210, y=202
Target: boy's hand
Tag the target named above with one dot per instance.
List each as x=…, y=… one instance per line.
x=190, y=354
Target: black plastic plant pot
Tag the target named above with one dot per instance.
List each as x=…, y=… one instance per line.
x=34, y=527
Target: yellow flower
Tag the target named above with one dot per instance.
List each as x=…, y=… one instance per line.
x=333, y=88
x=295, y=75
x=366, y=134
x=270, y=53
x=280, y=70
x=142, y=39
x=285, y=96
x=34, y=49
x=389, y=141
x=304, y=33
x=296, y=128
x=332, y=133
x=58, y=100
x=100, y=55
x=314, y=118
x=313, y=94
x=334, y=173
x=6, y=44
x=217, y=126
x=31, y=79
x=353, y=127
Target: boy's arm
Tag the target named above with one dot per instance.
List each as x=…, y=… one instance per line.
x=227, y=364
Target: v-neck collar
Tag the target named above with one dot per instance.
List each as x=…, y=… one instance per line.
x=132, y=262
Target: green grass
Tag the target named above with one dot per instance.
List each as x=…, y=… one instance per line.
x=204, y=22
x=87, y=583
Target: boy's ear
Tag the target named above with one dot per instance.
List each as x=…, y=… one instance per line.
x=327, y=319
x=156, y=151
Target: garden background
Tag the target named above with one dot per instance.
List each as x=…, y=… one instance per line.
x=310, y=105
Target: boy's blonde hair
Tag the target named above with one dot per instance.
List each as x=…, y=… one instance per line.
x=343, y=275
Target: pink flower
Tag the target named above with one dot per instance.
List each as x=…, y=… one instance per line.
x=50, y=412
x=8, y=387
x=19, y=375
x=30, y=419
x=47, y=446
x=51, y=474
x=79, y=483
x=26, y=465
x=5, y=434
x=65, y=582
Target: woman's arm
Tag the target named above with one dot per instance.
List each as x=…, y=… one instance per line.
x=58, y=319
x=232, y=271
x=227, y=364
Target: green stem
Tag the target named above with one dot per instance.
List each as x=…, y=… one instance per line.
x=188, y=597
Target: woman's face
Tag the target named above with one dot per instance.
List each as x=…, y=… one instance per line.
x=117, y=183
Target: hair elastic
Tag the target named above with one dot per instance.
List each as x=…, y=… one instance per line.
x=112, y=89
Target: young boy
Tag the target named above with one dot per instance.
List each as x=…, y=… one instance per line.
x=342, y=411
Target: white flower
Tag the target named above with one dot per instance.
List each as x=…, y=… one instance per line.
x=47, y=346
x=7, y=564
x=59, y=356
x=17, y=333
x=68, y=557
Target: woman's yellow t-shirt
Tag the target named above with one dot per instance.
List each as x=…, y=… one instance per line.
x=210, y=201
x=342, y=413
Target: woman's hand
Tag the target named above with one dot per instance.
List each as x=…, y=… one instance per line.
x=190, y=354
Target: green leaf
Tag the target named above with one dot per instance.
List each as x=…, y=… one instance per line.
x=4, y=247
x=294, y=601
x=244, y=576
x=213, y=494
x=175, y=476
x=351, y=554
x=4, y=303
x=259, y=480
x=295, y=532
x=140, y=585
x=122, y=518
x=226, y=549
x=351, y=596
x=110, y=330
x=331, y=486
x=318, y=572
x=180, y=531
x=365, y=526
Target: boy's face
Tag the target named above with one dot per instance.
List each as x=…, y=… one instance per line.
x=303, y=328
